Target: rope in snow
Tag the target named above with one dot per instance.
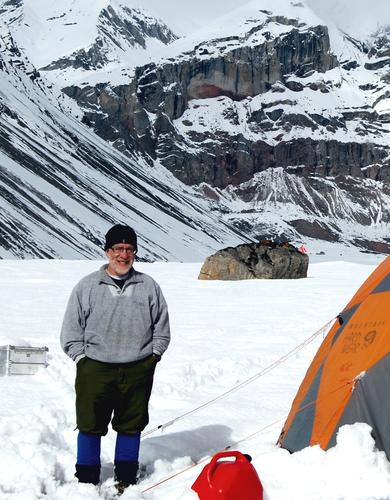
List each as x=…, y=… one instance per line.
x=317, y=402
x=175, y=475
x=244, y=383
x=250, y=436
x=205, y=459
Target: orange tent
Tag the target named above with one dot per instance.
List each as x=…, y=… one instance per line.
x=349, y=377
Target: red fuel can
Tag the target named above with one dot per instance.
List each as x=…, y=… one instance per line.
x=229, y=479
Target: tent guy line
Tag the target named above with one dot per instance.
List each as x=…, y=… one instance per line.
x=352, y=383
x=254, y=377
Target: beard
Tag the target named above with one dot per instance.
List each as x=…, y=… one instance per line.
x=120, y=268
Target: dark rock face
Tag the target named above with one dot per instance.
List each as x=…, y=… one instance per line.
x=221, y=165
x=264, y=260
x=315, y=230
x=241, y=72
x=141, y=116
x=164, y=91
x=373, y=246
x=238, y=73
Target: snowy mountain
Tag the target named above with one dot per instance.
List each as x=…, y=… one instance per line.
x=78, y=38
x=118, y=32
x=279, y=204
x=62, y=186
x=273, y=118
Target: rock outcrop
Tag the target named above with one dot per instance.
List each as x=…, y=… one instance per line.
x=263, y=260
x=230, y=112
x=163, y=111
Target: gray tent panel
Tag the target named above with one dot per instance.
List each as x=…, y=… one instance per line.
x=370, y=403
x=384, y=285
x=301, y=428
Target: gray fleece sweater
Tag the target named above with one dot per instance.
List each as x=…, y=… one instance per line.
x=115, y=325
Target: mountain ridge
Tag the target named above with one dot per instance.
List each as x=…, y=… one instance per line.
x=62, y=186
x=277, y=99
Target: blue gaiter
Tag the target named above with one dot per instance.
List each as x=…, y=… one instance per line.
x=127, y=447
x=88, y=449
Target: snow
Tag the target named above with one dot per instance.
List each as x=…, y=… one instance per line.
x=186, y=18
x=383, y=107
x=223, y=333
x=339, y=12
x=52, y=29
x=237, y=22
x=48, y=31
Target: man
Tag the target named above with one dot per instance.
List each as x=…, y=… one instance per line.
x=116, y=328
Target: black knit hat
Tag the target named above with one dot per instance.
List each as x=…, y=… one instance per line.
x=121, y=234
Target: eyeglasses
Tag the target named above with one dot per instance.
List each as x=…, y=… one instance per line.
x=119, y=250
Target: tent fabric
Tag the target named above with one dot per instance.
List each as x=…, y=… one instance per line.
x=348, y=378
x=370, y=403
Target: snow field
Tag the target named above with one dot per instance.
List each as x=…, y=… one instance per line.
x=223, y=333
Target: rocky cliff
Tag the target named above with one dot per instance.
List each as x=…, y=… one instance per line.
x=279, y=123
x=239, y=105
x=281, y=94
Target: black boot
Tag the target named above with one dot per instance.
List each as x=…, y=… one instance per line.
x=88, y=473
x=125, y=475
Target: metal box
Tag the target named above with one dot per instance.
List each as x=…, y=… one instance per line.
x=18, y=360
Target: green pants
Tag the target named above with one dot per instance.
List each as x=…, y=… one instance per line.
x=121, y=390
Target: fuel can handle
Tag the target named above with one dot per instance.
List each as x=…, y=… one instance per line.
x=223, y=454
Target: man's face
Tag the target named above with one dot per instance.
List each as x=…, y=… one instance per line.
x=120, y=259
